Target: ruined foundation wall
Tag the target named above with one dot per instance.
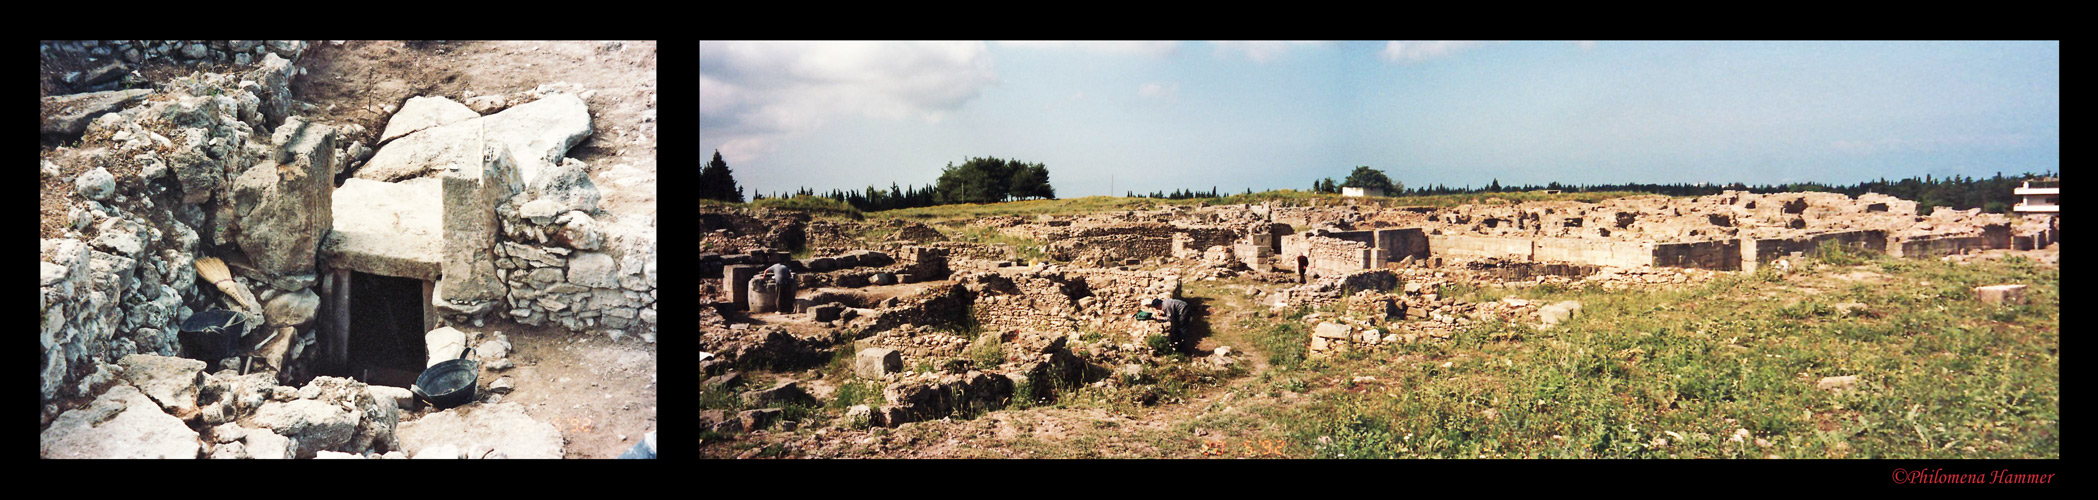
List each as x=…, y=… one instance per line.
x=1611, y=253
x=1758, y=251
x=1452, y=247
x=1718, y=255
x=1065, y=300
x=1932, y=246
x=1327, y=256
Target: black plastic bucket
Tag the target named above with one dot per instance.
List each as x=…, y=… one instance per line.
x=450, y=383
x=212, y=335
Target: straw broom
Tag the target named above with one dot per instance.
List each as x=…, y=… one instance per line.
x=214, y=270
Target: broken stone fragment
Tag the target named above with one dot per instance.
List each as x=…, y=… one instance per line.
x=170, y=381
x=96, y=184
x=444, y=344
x=874, y=363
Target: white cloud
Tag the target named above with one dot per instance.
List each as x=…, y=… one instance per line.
x=1397, y=51
x=754, y=93
x=1156, y=49
x=1163, y=91
x=1260, y=52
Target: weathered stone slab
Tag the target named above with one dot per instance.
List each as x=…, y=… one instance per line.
x=538, y=135
x=68, y=115
x=392, y=229
x=425, y=112
x=172, y=382
x=471, y=193
x=122, y=423
x=285, y=208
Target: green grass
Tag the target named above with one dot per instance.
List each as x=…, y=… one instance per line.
x=1284, y=197
x=1943, y=376
x=987, y=352
x=1067, y=206
x=1024, y=248
x=814, y=205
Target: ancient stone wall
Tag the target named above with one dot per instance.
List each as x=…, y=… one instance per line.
x=1758, y=251
x=1455, y=247
x=1601, y=253
x=1724, y=255
x=121, y=56
x=1326, y=256
x=196, y=162
x=565, y=268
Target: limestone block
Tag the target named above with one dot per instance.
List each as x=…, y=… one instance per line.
x=422, y=112
x=2001, y=294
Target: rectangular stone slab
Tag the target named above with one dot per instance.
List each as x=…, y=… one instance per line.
x=388, y=229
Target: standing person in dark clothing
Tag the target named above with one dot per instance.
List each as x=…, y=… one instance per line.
x=1174, y=313
x=1303, y=261
x=785, y=279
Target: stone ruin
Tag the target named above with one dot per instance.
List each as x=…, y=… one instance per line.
x=485, y=215
x=1731, y=231
x=1066, y=321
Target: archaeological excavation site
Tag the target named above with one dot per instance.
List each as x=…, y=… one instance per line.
x=924, y=335
x=347, y=249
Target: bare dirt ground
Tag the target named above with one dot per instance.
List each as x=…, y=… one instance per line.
x=594, y=389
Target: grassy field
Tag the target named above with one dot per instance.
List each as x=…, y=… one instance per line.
x=1679, y=374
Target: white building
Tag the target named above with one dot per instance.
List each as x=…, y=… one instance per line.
x=1356, y=191
x=2039, y=196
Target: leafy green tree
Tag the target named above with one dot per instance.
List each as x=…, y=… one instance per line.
x=1032, y=181
x=1365, y=177
x=717, y=182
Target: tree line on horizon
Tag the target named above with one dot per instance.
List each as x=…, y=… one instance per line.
x=976, y=180
x=992, y=180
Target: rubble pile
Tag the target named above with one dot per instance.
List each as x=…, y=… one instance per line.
x=167, y=407
x=727, y=229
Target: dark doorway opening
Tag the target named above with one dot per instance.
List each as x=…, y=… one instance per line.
x=385, y=330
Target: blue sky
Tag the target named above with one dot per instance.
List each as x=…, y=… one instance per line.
x=1156, y=116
